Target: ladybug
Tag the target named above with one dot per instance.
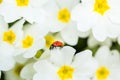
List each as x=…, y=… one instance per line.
x=56, y=44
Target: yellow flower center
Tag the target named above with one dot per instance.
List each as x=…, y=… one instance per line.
x=65, y=73
x=27, y=42
x=64, y=15
x=1, y=1
x=102, y=73
x=101, y=6
x=22, y=2
x=49, y=41
x=9, y=36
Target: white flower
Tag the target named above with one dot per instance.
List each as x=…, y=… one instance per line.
x=13, y=34
x=102, y=16
x=33, y=40
x=109, y=66
x=63, y=65
x=30, y=10
x=59, y=19
x=9, y=38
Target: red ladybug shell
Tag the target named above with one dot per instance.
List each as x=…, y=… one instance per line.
x=57, y=44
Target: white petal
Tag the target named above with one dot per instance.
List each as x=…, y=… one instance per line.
x=113, y=30
x=88, y=68
x=7, y=63
x=24, y=13
x=20, y=59
x=68, y=53
x=56, y=26
x=29, y=53
x=44, y=66
x=105, y=28
x=12, y=2
x=92, y=42
x=84, y=63
x=115, y=73
x=17, y=28
x=46, y=76
x=84, y=34
x=99, y=33
x=6, y=49
x=69, y=3
x=46, y=71
x=102, y=55
x=3, y=25
x=36, y=30
x=18, y=25
x=106, y=57
x=51, y=7
x=77, y=77
x=62, y=56
x=88, y=3
x=114, y=16
x=114, y=12
x=57, y=57
x=39, y=43
x=82, y=57
x=38, y=3
x=35, y=14
x=83, y=16
x=10, y=13
x=6, y=57
x=70, y=34
x=114, y=57
x=40, y=16
x=27, y=72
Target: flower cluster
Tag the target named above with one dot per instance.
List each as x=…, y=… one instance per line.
x=59, y=40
